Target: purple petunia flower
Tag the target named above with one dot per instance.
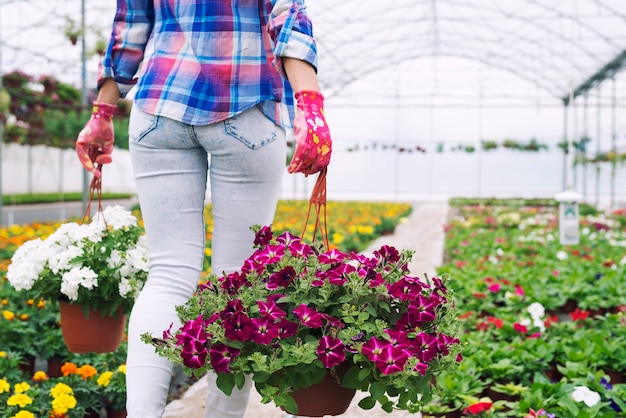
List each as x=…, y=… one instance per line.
x=263, y=237
x=331, y=257
x=388, y=254
x=405, y=289
x=391, y=360
x=265, y=330
x=330, y=351
x=193, y=354
x=221, y=356
x=425, y=347
x=238, y=327
x=270, y=255
x=309, y=317
x=282, y=278
x=232, y=282
x=373, y=348
x=271, y=310
x=288, y=239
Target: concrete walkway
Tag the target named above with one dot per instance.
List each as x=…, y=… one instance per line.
x=422, y=232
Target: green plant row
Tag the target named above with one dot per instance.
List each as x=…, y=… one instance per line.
x=34, y=198
x=544, y=325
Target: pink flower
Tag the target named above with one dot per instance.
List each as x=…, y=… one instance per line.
x=494, y=288
x=282, y=278
x=425, y=347
x=238, y=327
x=270, y=254
x=265, y=330
x=271, y=310
x=331, y=257
x=373, y=348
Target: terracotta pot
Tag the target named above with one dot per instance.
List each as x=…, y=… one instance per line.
x=92, y=334
x=324, y=398
x=116, y=413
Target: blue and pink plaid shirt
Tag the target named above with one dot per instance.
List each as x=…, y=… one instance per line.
x=204, y=61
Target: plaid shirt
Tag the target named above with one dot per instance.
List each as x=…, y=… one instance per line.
x=205, y=61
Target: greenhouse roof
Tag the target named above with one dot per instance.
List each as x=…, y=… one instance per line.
x=555, y=45
x=515, y=51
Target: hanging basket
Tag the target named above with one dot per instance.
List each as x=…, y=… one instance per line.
x=325, y=398
x=92, y=334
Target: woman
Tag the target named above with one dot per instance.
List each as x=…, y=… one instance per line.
x=212, y=79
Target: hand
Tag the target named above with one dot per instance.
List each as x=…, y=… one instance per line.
x=311, y=134
x=95, y=142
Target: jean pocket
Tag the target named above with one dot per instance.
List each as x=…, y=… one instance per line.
x=140, y=124
x=252, y=128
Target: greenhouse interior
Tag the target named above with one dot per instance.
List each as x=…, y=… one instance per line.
x=483, y=140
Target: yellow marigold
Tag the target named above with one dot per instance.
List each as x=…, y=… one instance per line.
x=68, y=368
x=24, y=414
x=5, y=302
x=41, y=304
x=24, y=317
x=20, y=399
x=61, y=389
x=21, y=387
x=8, y=315
x=63, y=403
x=40, y=376
x=3, y=354
x=86, y=371
x=122, y=368
x=30, y=302
x=4, y=386
x=105, y=379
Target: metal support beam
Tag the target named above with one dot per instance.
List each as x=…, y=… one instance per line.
x=607, y=71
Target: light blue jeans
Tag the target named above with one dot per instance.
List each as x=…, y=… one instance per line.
x=170, y=163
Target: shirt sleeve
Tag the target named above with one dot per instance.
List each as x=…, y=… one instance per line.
x=291, y=31
x=132, y=26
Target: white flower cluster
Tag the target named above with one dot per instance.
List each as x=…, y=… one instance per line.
x=60, y=254
x=537, y=313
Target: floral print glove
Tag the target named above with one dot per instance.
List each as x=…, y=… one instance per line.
x=95, y=142
x=311, y=134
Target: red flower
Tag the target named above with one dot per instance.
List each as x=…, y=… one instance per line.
x=496, y=322
x=579, y=315
x=477, y=408
x=466, y=315
x=550, y=320
x=520, y=328
x=479, y=295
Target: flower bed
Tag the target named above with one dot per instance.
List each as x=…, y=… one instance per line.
x=29, y=329
x=545, y=333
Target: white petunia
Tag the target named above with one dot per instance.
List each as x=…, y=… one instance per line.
x=561, y=255
x=538, y=323
x=586, y=395
x=125, y=287
x=115, y=259
x=623, y=262
x=75, y=278
x=61, y=260
x=27, y=263
x=525, y=321
x=536, y=310
x=116, y=217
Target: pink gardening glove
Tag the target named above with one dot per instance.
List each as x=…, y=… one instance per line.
x=311, y=134
x=95, y=142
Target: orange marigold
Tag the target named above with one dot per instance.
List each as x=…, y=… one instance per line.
x=86, y=371
x=68, y=368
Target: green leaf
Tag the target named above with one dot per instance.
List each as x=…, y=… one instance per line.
x=367, y=403
x=364, y=374
x=377, y=390
x=226, y=382
x=352, y=378
x=289, y=404
x=240, y=380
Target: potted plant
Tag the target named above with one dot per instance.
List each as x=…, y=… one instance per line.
x=297, y=314
x=113, y=389
x=92, y=270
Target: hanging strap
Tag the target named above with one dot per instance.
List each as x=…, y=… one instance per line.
x=95, y=187
x=318, y=201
